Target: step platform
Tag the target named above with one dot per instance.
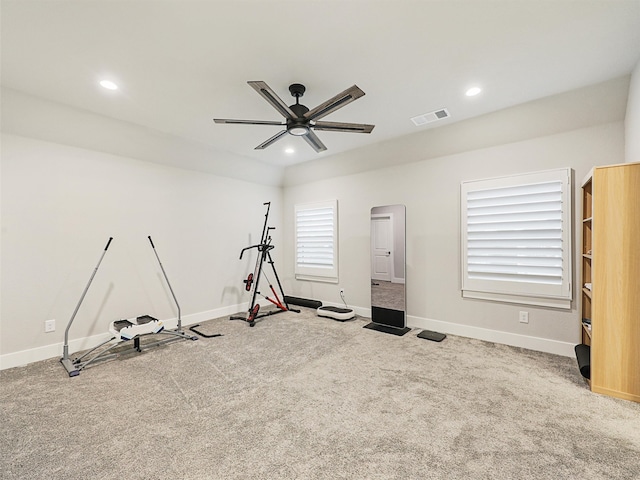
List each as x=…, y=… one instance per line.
x=336, y=313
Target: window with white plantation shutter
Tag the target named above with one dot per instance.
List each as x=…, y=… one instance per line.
x=316, y=228
x=516, y=238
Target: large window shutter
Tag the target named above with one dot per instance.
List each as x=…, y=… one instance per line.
x=517, y=238
x=316, y=241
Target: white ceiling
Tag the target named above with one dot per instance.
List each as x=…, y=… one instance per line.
x=180, y=63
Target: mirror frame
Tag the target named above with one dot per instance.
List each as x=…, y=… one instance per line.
x=392, y=315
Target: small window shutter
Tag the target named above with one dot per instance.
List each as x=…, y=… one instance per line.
x=316, y=240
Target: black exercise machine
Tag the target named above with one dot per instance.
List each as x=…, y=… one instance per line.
x=253, y=280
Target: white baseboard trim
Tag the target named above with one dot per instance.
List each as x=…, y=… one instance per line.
x=194, y=318
x=513, y=339
x=25, y=357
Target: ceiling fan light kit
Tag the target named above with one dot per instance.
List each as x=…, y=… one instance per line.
x=297, y=130
x=299, y=120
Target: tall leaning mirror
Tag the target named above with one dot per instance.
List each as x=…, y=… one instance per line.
x=388, y=292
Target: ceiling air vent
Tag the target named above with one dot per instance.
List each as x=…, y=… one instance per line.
x=431, y=117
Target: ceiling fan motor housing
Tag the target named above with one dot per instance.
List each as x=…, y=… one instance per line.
x=299, y=109
x=298, y=126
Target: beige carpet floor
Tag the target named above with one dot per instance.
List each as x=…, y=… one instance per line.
x=303, y=397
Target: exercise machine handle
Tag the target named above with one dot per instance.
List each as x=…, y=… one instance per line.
x=263, y=237
x=168, y=284
x=65, y=348
x=261, y=248
x=247, y=248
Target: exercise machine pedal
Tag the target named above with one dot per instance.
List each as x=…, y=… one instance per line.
x=252, y=315
x=248, y=282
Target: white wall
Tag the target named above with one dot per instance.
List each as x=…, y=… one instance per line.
x=60, y=204
x=632, y=119
x=62, y=199
x=33, y=117
x=585, y=107
x=430, y=191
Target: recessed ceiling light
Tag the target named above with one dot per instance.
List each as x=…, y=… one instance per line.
x=108, y=84
x=289, y=150
x=473, y=91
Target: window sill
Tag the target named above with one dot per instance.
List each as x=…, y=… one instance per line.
x=564, y=303
x=313, y=278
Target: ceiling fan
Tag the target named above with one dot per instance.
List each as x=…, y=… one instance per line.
x=299, y=120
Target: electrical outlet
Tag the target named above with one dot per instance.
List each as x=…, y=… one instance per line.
x=49, y=326
x=524, y=317
x=342, y=292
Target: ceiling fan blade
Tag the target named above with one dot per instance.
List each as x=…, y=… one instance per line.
x=270, y=96
x=271, y=141
x=343, y=127
x=313, y=140
x=334, y=103
x=247, y=122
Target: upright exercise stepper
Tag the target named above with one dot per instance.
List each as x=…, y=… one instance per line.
x=252, y=283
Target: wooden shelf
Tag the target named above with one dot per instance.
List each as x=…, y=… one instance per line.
x=587, y=229
x=586, y=330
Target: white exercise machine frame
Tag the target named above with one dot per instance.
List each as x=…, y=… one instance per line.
x=121, y=330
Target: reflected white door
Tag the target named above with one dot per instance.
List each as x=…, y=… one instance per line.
x=381, y=248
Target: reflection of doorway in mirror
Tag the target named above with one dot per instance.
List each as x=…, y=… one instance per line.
x=382, y=247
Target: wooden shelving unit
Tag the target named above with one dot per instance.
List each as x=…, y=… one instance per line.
x=587, y=219
x=611, y=267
